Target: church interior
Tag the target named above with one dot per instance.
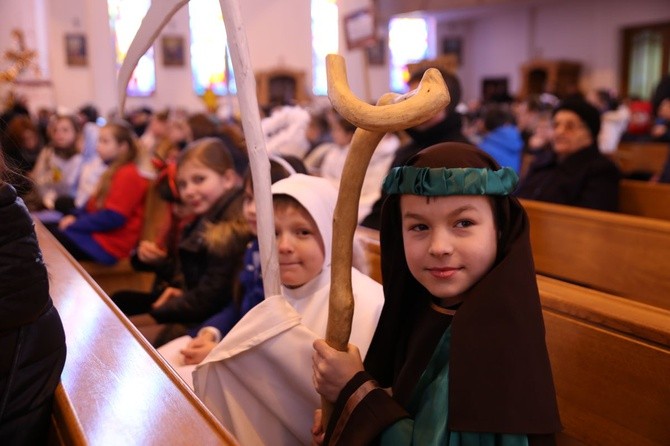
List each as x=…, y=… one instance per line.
x=603, y=277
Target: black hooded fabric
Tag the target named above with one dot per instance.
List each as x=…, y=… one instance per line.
x=500, y=378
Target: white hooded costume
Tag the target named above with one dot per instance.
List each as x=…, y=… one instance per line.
x=258, y=380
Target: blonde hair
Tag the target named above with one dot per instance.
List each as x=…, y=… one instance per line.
x=122, y=133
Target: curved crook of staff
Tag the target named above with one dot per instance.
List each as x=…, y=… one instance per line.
x=392, y=113
x=402, y=112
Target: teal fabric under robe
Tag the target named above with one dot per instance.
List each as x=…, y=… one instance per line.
x=430, y=405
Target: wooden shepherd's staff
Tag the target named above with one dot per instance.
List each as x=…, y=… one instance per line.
x=392, y=113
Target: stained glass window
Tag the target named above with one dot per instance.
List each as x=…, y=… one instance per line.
x=210, y=60
x=408, y=42
x=325, y=32
x=125, y=17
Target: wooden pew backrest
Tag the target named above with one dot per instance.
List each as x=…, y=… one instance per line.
x=644, y=199
x=369, y=240
x=633, y=156
x=619, y=254
x=610, y=358
x=115, y=388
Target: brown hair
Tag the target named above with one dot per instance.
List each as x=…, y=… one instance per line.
x=68, y=152
x=209, y=152
x=122, y=133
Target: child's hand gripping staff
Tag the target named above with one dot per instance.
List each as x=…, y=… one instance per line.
x=392, y=113
x=157, y=17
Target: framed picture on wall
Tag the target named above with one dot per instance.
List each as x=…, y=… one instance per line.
x=172, y=49
x=76, y=52
x=376, y=53
x=453, y=45
x=359, y=29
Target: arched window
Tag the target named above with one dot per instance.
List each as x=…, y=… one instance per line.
x=325, y=35
x=125, y=17
x=408, y=42
x=210, y=60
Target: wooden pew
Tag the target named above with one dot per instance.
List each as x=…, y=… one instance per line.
x=118, y=277
x=369, y=239
x=610, y=358
x=624, y=255
x=115, y=388
x=644, y=199
x=641, y=156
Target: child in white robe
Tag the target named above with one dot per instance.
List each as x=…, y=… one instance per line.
x=257, y=381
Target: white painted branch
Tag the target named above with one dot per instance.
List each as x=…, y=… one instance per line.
x=159, y=14
x=258, y=157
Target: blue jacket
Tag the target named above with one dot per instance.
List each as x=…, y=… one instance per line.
x=252, y=285
x=504, y=144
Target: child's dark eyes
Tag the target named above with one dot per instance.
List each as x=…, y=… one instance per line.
x=418, y=227
x=464, y=223
x=303, y=232
x=198, y=179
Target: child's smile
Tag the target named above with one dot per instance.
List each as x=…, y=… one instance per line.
x=450, y=242
x=299, y=244
x=200, y=187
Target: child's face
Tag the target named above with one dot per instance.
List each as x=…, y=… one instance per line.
x=450, y=242
x=200, y=187
x=64, y=133
x=300, y=247
x=340, y=136
x=249, y=208
x=108, y=147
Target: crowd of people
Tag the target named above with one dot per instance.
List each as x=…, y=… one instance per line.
x=172, y=192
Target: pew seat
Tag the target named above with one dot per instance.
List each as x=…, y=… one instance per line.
x=120, y=276
x=644, y=199
x=115, y=388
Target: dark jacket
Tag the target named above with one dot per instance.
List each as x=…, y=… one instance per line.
x=209, y=272
x=32, y=341
x=584, y=179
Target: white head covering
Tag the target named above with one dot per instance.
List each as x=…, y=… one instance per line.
x=318, y=197
x=258, y=380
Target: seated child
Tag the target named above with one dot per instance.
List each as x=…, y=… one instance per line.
x=460, y=341
x=210, y=247
x=108, y=227
x=185, y=352
x=56, y=171
x=257, y=381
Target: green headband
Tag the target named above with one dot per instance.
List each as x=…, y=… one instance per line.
x=433, y=182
